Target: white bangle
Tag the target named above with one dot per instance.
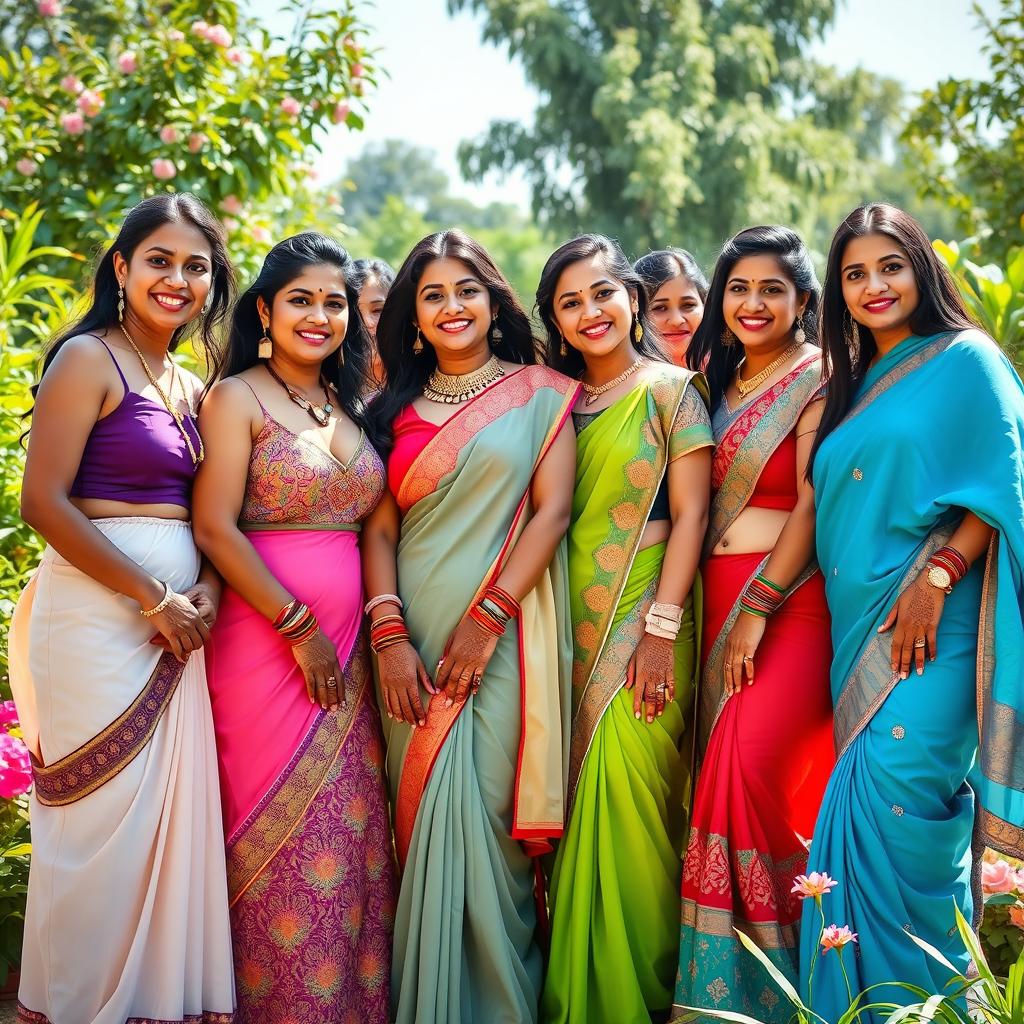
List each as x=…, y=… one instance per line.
x=382, y=599
x=672, y=612
x=661, y=631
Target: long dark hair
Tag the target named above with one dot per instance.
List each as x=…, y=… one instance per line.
x=616, y=264
x=707, y=351
x=138, y=225
x=282, y=265
x=663, y=265
x=849, y=346
x=405, y=372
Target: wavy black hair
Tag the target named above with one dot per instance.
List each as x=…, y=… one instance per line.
x=616, y=265
x=706, y=351
x=663, y=265
x=849, y=347
x=282, y=265
x=138, y=225
x=405, y=372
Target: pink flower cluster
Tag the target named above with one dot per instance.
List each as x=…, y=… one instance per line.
x=50, y=8
x=997, y=876
x=128, y=62
x=216, y=34
x=15, y=763
x=163, y=169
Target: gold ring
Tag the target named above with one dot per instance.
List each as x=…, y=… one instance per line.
x=747, y=657
x=919, y=642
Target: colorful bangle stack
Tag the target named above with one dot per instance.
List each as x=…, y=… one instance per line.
x=375, y=602
x=494, y=609
x=762, y=597
x=387, y=631
x=952, y=561
x=663, y=620
x=296, y=623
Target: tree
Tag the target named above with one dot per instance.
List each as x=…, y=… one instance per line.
x=393, y=168
x=102, y=106
x=982, y=123
x=679, y=121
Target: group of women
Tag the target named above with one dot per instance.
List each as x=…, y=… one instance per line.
x=670, y=600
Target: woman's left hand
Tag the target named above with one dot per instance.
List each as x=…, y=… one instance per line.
x=465, y=657
x=651, y=675
x=205, y=599
x=914, y=620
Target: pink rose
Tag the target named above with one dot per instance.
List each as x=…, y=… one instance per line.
x=234, y=55
x=26, y=165
x=813, y=885
x=1017, y=915
x=261, y=235
x=90, y=102
x=128, y=62
x=997, y=876
x=834, y=937
x=71, y=84
x=200, y=28
x=175, y=35
x=15, y=767
x=340, y=113
x=357, y=70
x=50, y=8
x=169, y=134
x=218, y=35
x=164, y=169
x=196, y=141
x=232, y=205
x=8, y=713
x=73, y=123
x=290, y=106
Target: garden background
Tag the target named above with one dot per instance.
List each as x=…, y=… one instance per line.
x=668, y=122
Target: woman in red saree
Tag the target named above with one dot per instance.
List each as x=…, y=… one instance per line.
x=764, y=712
x=290, y=477
x=466, y=578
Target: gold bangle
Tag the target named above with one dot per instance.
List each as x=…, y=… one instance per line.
x=156, y=609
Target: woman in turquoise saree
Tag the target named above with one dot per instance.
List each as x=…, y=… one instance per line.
x=918, y=484
x=465, y=571
x=643, y=479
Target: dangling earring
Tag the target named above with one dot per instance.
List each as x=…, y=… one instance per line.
x=417, y=345
x=120, y=304
x=496, y=333
x=562, y=350
x=799, y=335
x=638, y=332
x=728, y=338
x=341, y=354
x=851, y=336
x=266, y=345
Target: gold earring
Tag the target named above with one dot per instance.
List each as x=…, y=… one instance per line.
x=496, y=333
x=800, y=335
x=120, y=304
x=851, y=336
x=341, y=354
x=728, y=338
x=417, y=345
x=638, y=332
x=562, y=350
x=266, y=345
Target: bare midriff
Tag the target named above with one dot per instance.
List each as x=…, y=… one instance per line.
x=105, y=508
x=753, y=530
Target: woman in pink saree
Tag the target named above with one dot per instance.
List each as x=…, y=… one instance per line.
x=291, y=475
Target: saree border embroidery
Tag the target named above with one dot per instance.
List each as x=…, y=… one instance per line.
x=27, y=1016
x=721, y=923
x=998, y=833
x=427, y=740
x=273, y=821
x=441, y=453
x=98, y=760
x=745, y=447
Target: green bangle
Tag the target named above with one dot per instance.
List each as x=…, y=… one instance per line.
x=768, y=583
x=744, y=607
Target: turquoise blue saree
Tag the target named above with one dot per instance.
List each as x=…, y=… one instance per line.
x=934, y=763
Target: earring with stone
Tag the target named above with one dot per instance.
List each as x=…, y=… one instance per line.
x=266, y=345
x=120, y=303
x=800, y=335
x=417, y=345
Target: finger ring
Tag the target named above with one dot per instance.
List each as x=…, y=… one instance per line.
x=747, y=657
x=728, y=664
x=660, y=688
x=919, y=642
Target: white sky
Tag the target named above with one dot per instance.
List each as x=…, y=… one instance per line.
x=445, y=85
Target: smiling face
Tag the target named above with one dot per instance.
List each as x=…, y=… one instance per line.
x=593, y=310
x=167, y=279
x=453, y=307
x=879, y=285
x=761, y=303
x=676, y=311
x=309, y=316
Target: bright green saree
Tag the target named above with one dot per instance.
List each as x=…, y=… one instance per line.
x=614, y=920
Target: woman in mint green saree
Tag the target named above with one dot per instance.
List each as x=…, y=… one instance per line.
x=919, y=482
x=465, y=570
x=642, y=488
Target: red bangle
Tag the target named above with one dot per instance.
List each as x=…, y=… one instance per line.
x=479, y=616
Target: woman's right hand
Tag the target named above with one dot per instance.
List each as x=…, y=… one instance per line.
x=181, y=625
x=402, y=673
x=740, y=647
x=317, y=657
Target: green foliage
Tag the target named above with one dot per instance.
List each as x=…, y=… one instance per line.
x=994, y=295
x=678, y=121
x=980, y=123
x=113, y=100
x=15, y=850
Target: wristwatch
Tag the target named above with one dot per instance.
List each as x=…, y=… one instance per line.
x=939, y=578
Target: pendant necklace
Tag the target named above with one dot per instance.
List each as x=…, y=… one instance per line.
x=320, y=414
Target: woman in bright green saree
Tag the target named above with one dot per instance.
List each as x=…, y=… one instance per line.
x=639, y=513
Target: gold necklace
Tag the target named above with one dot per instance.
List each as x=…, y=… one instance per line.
x=744, y=387
x=322, y=415
x=168, y=404
x=453, y=388
x=594, y=393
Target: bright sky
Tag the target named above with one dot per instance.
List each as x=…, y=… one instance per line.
x=445, y=85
